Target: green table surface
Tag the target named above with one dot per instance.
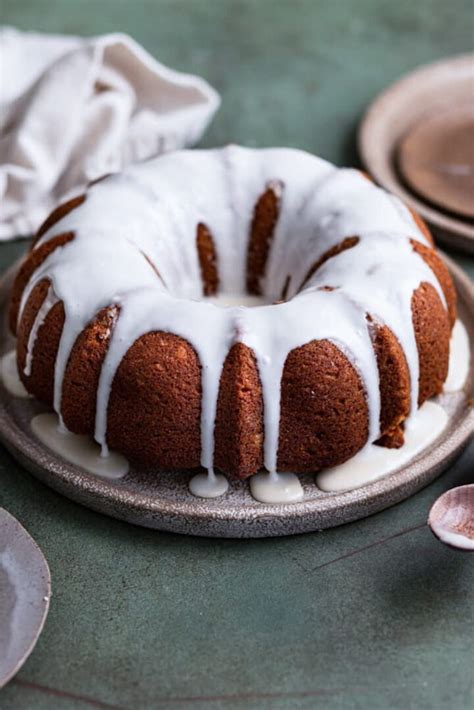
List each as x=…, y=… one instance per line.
x=376, y=614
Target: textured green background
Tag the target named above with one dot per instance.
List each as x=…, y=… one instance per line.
x=376, y=614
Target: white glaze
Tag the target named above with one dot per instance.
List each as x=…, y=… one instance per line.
x=10, y=377
x=79, y=450
x=276, y=488
x=208, y=485
x=373, y=462
x=153, y=209
x=459, y=357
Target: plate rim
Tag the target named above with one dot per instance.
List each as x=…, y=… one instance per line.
x=255, y=520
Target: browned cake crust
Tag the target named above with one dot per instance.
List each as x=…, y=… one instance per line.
x=422, y=226
x=79, y=395
x=41, y=380
x=432, y=332
x=152, y=266
x=32, y=261
x=394, y=439
x=394, y=386
x=155, y=403
x=324, y=418
x=239, y=421
x=261, y=234
x=57, y=214
x=440, y=270
x=207, y=260
x=285, y=289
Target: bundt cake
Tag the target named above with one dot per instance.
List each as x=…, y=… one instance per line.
x=122, y=325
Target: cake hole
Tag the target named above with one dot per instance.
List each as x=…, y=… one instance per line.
x=236, y=300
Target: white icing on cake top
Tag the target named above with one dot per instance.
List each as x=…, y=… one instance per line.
x=154, y=208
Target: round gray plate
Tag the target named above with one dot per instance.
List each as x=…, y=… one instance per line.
x=25, y=590
x=163, y=501
x=425, y=92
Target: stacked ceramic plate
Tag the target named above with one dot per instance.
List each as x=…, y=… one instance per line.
x=417, y=140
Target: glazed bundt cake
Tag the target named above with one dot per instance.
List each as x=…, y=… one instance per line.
x=121, y=326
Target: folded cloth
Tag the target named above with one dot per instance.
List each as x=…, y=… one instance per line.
x=73, y=109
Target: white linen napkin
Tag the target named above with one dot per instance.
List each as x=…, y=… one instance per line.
x=73, y=109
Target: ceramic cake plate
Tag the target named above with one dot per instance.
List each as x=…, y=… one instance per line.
x=163, y=501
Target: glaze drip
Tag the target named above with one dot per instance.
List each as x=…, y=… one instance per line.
x=459, y=357
x=276, y=488
x=49, y=301
x=373, y=462
x=10, y=377
x=80, y=450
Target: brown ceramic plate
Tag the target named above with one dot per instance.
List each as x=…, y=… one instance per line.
x=25, y=590
x=164, y=502
x=430, y=91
